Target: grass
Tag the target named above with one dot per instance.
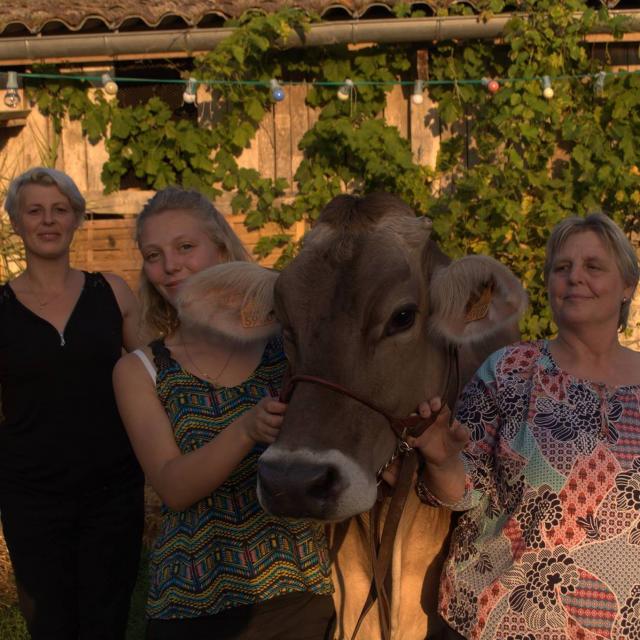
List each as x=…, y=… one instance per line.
x=12, y=626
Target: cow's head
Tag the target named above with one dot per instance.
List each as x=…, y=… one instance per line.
x=373, y=305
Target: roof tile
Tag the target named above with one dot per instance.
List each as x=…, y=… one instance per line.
x=34, y=15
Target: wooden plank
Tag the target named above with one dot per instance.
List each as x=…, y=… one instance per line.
x=110, y=237
x=300, y=228
x=266, y=146
x=118, y=233
x=424, y=131
x=282, y=136
x=106, y=243
x=424, y=124
x=8, y=115
x=299, y=124
x=396, y=111
x=120, y=224
x=631, y=36
x=127, y=202
x=250, y=157
x=27, y=147
x=116, y=255
x=73, y=160
x=9, y=120
x=96, y=156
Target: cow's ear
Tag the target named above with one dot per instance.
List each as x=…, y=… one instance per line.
x=233, y=299
x=473, y=298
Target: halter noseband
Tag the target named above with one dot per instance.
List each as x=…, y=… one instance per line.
x=402, y=427
x=412, y=425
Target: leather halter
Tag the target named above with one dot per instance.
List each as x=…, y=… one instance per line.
x=402, y=427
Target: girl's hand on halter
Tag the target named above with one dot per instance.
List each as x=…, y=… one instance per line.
x=426, y=409
x=441, y=443
x=263, y=422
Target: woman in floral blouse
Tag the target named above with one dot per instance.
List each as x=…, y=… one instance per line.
x=544, y=460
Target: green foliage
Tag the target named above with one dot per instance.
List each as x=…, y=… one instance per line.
x=532, y=161
x=159, y=149
x=535, y=161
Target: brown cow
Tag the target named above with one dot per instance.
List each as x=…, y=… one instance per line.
x=373, y=305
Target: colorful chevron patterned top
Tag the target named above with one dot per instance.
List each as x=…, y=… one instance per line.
x=225, y=550
x=550, y=546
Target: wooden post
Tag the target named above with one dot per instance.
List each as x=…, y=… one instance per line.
x=424, y=124
x=266, y=146
x=282, y=136
x=299, y=124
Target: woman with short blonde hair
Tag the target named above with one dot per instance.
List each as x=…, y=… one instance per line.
x=71, y=491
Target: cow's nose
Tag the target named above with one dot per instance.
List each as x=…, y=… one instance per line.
x=298, y=489
x=323, y=483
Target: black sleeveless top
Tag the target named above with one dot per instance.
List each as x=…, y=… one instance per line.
x=60, y=430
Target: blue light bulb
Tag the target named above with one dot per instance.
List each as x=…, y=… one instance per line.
x=277, y=92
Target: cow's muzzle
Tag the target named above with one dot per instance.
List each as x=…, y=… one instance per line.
x=299, y=488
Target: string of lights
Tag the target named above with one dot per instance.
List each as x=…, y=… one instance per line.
x=346, y=88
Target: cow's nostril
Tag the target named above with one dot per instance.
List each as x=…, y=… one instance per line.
x=324, y=484
x=299, y=488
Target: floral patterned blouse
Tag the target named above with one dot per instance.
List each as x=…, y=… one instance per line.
x=549, y=545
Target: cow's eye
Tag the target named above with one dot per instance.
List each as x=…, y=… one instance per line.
x=401, y=320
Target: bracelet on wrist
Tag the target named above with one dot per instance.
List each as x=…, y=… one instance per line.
x=425, y=496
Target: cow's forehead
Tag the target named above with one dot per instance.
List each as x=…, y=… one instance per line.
x=355, y=262
x=356, y=279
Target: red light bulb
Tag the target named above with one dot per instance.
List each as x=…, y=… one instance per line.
x=493, y=86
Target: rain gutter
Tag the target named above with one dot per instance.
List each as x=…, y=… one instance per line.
x=76, y=48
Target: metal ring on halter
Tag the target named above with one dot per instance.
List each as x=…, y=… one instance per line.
x=401, y=448
x=403, y=445
x=394, y=456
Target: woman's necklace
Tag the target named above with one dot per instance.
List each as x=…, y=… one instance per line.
x=41, y=302
x=202, y=373
x=44, y=303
